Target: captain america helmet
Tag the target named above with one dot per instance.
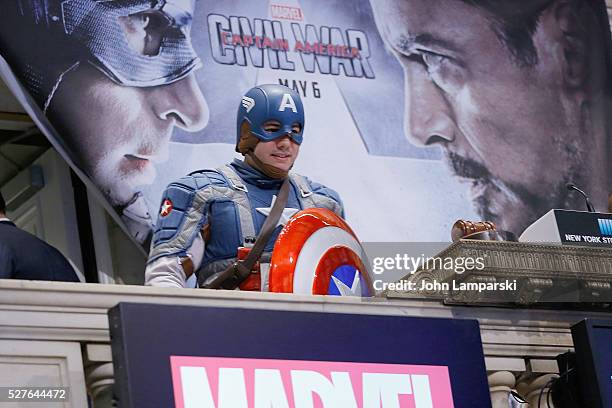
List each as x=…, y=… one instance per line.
x=137, y=43
x=271, y=102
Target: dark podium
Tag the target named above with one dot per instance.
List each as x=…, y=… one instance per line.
x=185, y=356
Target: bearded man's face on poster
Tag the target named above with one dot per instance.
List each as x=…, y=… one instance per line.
x=513, y=93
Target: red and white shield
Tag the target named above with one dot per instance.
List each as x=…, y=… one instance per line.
x=318, y=253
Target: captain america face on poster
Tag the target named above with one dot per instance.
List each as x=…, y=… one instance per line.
x=121, y=133
x=115, y=78
x=514, y=92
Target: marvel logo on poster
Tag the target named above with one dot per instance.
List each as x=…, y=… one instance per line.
x=242, y=383
x=286, y=12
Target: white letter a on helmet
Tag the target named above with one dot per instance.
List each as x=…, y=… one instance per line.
x=287, y=102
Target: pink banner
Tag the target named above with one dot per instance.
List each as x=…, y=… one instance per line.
x=218, y=382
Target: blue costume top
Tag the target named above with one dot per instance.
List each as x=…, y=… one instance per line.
x=232, y=203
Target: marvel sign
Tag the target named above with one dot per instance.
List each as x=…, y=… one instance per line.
x=218, y=382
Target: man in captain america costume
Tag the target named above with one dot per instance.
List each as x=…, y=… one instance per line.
x=115, y=77
x=207, y=215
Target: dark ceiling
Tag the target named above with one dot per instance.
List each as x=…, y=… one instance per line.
x=20, y=141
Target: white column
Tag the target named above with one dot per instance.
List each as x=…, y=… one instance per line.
x=501, y=384
x=99, y=374
x=535, y=390
x=100, y=384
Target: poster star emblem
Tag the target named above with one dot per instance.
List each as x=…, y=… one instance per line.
x=284, y=218
x=354, y=290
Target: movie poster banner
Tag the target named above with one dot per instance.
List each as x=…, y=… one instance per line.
x=417, y=112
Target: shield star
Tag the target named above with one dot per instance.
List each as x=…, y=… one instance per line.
x=284, y=218
x=354, y=290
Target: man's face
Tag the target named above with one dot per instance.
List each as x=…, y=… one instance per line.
x=120, y=132
x=280, y=153
x=503, y=127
